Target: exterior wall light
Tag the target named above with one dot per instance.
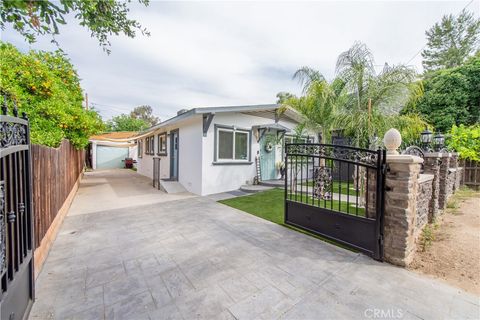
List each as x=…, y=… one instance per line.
x=438, y=141
x=426, y=138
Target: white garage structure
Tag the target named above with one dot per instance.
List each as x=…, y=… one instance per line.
x=109, y=150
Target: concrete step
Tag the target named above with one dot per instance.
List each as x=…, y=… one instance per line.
x=252, y=188
x=277, y=183
x=172, y=186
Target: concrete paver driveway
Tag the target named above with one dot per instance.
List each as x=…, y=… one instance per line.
x=184, y=257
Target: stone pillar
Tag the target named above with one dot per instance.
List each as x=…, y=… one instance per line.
x=400, y=208
x=431, y=165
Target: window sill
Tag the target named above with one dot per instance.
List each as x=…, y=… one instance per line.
x=231, y=163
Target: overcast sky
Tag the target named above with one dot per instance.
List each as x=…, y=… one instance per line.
x=219, y=53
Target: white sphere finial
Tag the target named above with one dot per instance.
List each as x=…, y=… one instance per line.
x=392, y=140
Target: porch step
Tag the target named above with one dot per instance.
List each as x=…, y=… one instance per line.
x=252, y=188
x=277, y=183
x=172, y=186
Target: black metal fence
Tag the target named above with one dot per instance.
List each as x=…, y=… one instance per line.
x=16, y=221
x=320, y=199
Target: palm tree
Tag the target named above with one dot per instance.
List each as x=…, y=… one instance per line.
x=373, y=99
x=319, y=102
x=359, y=100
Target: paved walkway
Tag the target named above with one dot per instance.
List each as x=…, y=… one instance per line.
x=193, y=258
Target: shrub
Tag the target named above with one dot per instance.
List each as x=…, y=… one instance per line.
x=466, y=141
x=452, y=96
x=46, y=86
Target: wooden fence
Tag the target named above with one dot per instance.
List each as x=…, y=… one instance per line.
x=55, y=172
x=471, y=173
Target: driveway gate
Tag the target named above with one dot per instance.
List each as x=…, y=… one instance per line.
x=348, y=209
x=16, y=226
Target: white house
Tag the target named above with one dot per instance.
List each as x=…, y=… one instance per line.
x=213, y=149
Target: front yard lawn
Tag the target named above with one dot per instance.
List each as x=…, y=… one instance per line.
x=270, y=205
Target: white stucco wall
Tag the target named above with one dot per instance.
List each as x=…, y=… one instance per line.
x=190, y=155
x=228, y=177
x=197, y=172
x=145, y=163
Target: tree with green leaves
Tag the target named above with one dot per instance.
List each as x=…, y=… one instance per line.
x=283, y=96
x=145, y=113
x=125, y=122
x=451, y=41
x=372, y=99
x=452, y=96
x=318, y=105
x=46, y=86
x=102, y=18
x=359, y=100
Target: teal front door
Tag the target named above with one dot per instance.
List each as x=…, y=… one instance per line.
x=267, y=158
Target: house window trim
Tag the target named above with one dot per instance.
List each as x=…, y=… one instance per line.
x=159, y=151
x=216, y=160
x=150, y=145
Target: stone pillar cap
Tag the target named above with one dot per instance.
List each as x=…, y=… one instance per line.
x=438, y=154
x=403, y=158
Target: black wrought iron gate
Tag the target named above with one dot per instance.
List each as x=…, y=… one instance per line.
x=16, y=225
x=347, y=209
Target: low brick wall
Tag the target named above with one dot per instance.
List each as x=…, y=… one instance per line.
x=413, y=199
x=424, y=199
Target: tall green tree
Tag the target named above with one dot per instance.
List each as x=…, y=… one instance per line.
x=125, y=122
x=145, y=113
x=102, y=18
x=46, y=86
x=452, y=96
x=317, y=105
x=451, y=41
x=373, y=99
x=359, y=100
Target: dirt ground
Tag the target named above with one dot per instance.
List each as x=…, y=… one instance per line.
x=452, y=252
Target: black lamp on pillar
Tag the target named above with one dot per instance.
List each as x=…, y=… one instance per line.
x=438, y=141
x=426, y=138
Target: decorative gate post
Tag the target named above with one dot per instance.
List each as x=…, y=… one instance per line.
x=400, y=202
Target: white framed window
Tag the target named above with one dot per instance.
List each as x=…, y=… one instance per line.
x=149, y=145
x=232, y=145
x=162, y=144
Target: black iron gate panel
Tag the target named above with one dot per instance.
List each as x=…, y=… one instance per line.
x=348, y=209
x=16, y=220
